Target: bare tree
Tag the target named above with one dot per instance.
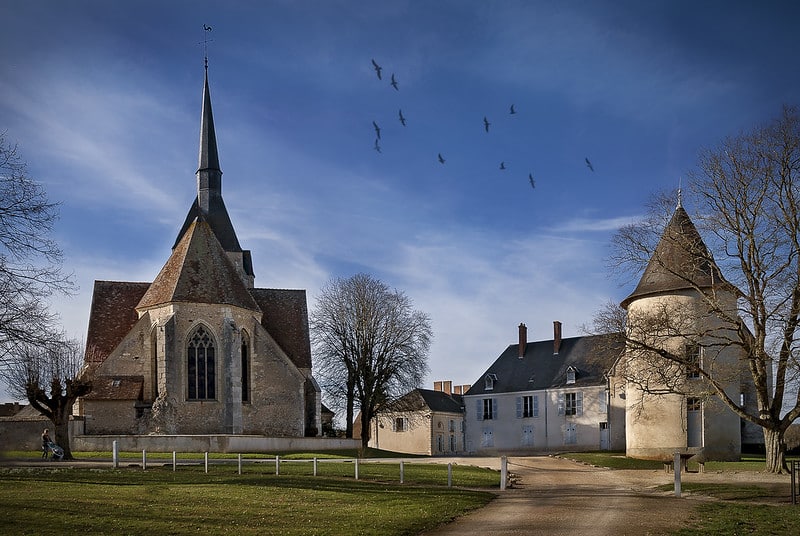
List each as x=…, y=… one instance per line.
x=371, y=346
x=51, y=377
x=747, y=195
x=30, y=261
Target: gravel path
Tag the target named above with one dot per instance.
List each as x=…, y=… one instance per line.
x=554, y=496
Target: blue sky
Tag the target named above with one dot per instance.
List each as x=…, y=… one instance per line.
x=104, y=99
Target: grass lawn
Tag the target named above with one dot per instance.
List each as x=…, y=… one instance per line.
x=750, y=519
x=160, y=501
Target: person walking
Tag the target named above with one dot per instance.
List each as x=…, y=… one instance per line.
x=45, y=444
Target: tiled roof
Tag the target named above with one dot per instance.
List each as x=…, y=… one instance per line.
x=285, y=317
x=112, y=315
x=591, y=356
x=116, y=388
x=198, y=271
x=680, y=261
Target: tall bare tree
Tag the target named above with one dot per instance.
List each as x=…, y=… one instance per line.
x=51, y=377
x=30, y=260
x=746, y=192
x=371, y=346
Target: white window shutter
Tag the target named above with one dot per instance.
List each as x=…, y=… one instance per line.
x=519, y=407
x=579, y=403
x=561, y=403
x=494, y=408
x=535, y=405
x=479, y=408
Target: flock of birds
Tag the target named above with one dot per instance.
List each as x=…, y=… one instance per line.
x=486, y=124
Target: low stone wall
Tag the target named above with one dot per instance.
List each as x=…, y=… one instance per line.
x=210, y=443
x=25, y=433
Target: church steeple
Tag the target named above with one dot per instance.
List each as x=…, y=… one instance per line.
x=208, y=206
x=209, y=174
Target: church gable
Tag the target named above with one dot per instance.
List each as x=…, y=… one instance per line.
x=112, y=316
x=198, y=271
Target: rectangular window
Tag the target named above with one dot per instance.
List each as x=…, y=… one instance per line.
x=573, y=404
x=488, y=409
x=694, y=360
x=453, y=443
x=527, y=406
x=400, y=424
x=452, y=425
x=693, y=404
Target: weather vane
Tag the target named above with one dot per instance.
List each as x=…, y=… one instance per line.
x=205, y=42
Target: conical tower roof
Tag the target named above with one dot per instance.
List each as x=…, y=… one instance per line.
x=208, y=205
x=681, y=261
x=198, y=271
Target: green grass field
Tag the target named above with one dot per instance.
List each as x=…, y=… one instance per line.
x=53, y=500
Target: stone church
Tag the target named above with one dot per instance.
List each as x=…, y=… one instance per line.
x=201, y=350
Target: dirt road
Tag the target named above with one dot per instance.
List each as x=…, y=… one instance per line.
x=555, y=497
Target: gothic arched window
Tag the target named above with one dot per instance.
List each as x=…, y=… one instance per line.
x=201, y=367
x=245, y=367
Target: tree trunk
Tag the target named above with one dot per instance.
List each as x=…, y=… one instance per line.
x=366, y=431
x=61, y=436
x=775, y=450
x=351, y=395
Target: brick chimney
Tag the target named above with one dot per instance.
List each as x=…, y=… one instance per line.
x=457, y=390
x=447, y=386
x=556, y=336
x=437, y=386
x=523, y=339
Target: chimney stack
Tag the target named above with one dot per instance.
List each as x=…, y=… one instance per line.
x=523, y=339
x=437, y=386
x=556, y=336
x=447, y=386
x=457, y=390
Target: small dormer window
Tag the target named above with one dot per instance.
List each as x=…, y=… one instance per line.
x=490, y=381
x=116, y=383
x=570, y=375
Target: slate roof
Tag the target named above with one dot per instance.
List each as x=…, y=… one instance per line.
x=285, y=317
x=438, y=401
x=539, y=369
x=116, y=388
x=219, y=220
x=198, y=271
x=111, y=316
x=681, y=261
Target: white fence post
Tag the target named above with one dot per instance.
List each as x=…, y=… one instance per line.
x=449, y=475
x=356, y=468
x=277, y=464
x=205, y=457
x=676, y=462
x=503, y=472
x=115, y=453
x=402, y=471
x=174, y=461
x=240, y=464
x=315, y=466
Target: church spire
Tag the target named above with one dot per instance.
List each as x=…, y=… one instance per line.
x=209, y=174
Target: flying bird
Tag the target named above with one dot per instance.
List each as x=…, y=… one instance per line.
x=377, y=69
x=511, y=110
x=207, y=28
x=533, y=182
x=441, y=158
x=402, y=118
x=589, y=164
x=394, y=83
x=502, y=165
x=486, y=123
x=377, y=129
x=377, y=145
